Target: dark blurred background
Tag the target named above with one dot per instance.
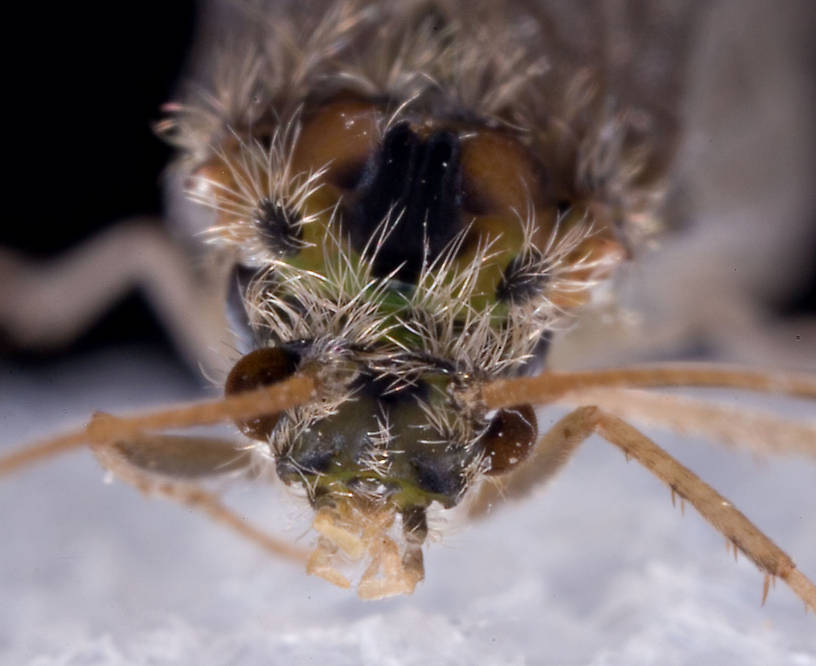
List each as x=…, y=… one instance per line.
x=82, y=96
x=81, y=100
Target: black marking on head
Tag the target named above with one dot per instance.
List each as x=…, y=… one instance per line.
x=391, y=390
x=310, y=462
x=435, y=474
x=419, y=181
x=521, y=280
x=317, y=462
x=279, y=227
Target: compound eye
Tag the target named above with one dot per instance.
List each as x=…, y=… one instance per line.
x=510, y=438
x=261, y=367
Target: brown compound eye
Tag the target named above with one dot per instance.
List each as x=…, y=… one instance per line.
x=510, y=438
x=261, y=367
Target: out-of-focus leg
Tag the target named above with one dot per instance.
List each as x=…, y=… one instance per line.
x=747, y=429
x=46, y=304
x=163, y=466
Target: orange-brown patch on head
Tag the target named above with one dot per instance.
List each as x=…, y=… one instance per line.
x=499, y=174
x=339, y=136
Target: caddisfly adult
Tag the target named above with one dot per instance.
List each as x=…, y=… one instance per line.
x=402, y=205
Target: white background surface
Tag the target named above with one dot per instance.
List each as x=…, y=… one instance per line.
x=597, y=568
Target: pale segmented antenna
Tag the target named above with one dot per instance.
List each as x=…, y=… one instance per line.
x=300, y=389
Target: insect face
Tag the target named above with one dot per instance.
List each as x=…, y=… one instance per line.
x=407, y=229
x=407, y=258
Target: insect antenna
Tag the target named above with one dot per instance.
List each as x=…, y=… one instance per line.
x=755, y=431
x=303, y=388
x=549, y=386
x=299, y=389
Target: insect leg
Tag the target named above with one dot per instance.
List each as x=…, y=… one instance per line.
x=571, y=430
x=45, y=304
x=712, y=506
x=156, y=465
x=175, y=456
x=749, y=429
